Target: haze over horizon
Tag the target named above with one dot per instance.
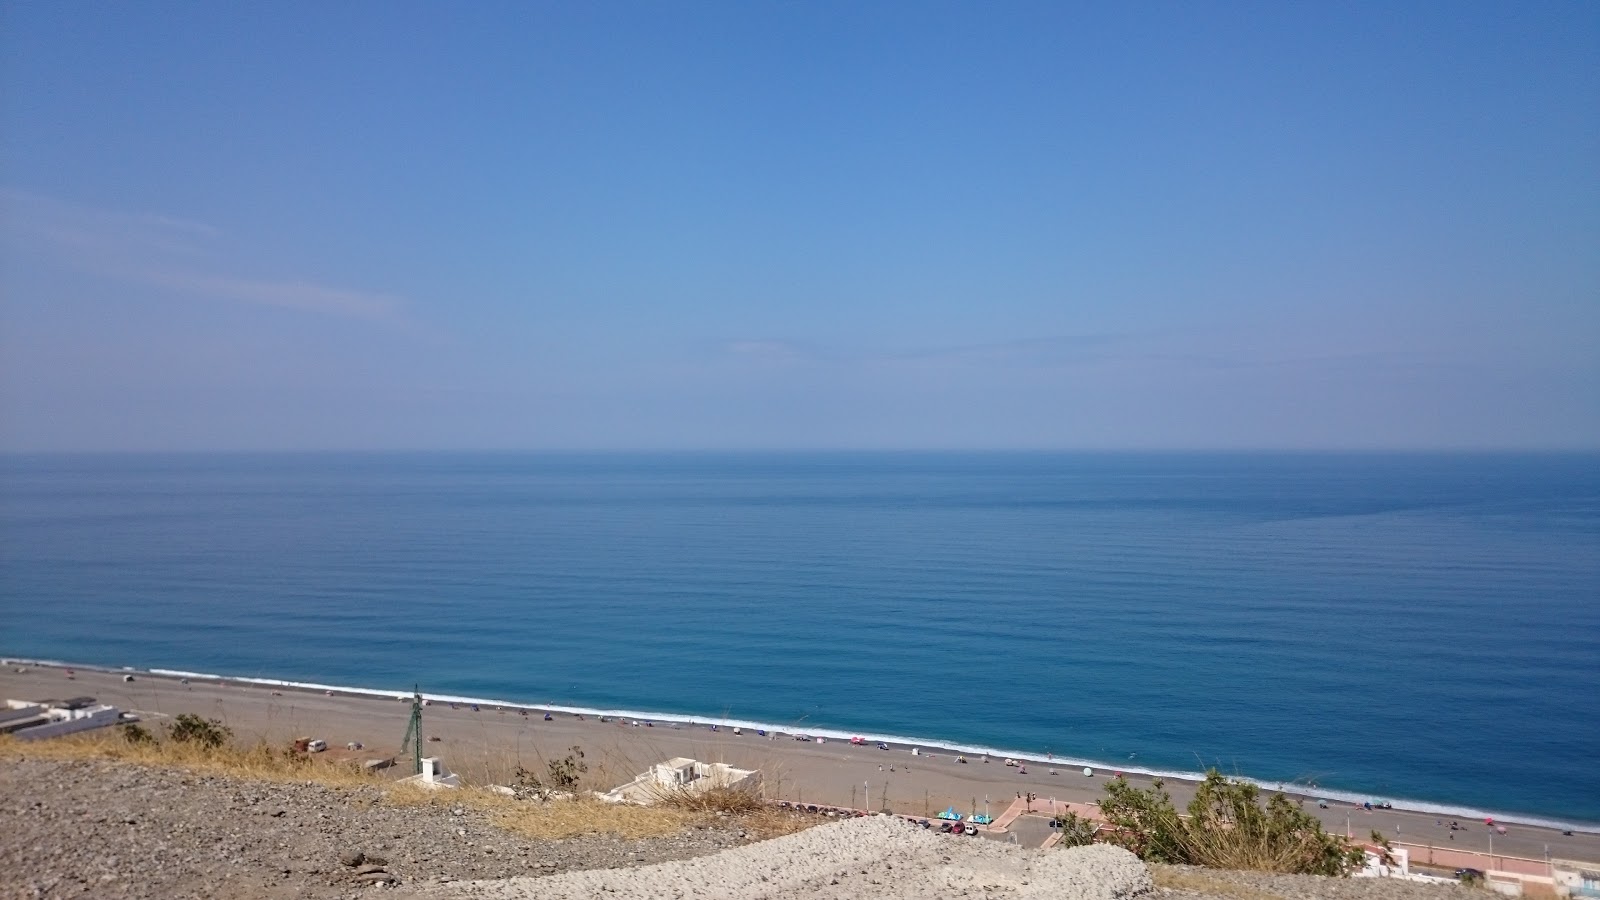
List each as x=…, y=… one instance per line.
x=825, y=226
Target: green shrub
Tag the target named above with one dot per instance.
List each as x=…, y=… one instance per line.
x=134, y=733
x=1227, y=827
x=189, y=728
x=1075, y=830
x=561, y=777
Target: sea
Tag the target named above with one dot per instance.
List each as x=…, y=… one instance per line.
x=1417, y=628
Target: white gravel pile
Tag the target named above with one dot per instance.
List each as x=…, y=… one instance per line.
x=880, y=857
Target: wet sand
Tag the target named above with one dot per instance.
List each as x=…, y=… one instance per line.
x=486, y=746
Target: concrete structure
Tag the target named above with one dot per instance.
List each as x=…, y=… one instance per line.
x=28, y=720
x=1575, y=879
x=683, y=774
x=434, y=775
x=1396, y=863
x=20, y=714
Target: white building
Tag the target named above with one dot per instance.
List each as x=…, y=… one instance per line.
x=434, y=775
x=1575, y=879
x=31, y=721
x=682, y=773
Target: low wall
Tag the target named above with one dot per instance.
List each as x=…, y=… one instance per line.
x=70, y=726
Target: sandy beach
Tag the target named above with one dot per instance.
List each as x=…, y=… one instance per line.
x=487, y=745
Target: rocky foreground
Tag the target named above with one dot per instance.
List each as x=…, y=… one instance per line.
x=119, y=831
x=114, y=830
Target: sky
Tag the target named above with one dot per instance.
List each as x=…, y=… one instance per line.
x=758, y=225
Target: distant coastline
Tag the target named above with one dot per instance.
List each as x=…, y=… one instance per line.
x=1377, y=625
x=898, y=742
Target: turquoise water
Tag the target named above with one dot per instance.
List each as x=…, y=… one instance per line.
x=1413, y=627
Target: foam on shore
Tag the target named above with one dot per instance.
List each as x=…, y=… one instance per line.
x=899, y=742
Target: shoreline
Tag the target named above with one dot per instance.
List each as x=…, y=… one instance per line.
x=932, y=750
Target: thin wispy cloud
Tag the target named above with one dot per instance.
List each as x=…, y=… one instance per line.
x=286, y=294
x=1042, y=351
x=168, y=252
x=1051, y=350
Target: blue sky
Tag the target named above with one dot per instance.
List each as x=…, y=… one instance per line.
x=760, y=225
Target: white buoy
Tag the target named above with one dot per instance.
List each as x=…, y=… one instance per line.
x=1088, y=772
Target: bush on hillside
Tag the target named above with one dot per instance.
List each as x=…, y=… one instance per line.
x=735, y=799
x=1227, y=827
x=134, y=733
x=1075, y=830
x=561, y=777
x=189, y=728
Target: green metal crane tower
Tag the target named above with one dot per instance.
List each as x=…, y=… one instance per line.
x=413, y=741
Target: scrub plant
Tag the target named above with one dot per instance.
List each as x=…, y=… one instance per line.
x=561, y=777
x=1227, y=827
x=189, y=728
x=1076, y=831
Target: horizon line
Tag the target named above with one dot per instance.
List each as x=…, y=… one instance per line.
x=817, y=450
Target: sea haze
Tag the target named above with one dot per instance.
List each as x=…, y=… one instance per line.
x=1413, y=627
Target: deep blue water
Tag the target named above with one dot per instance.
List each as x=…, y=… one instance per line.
x=1422, y=627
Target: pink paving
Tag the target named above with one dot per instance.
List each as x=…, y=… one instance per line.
x=1049, y=808
x=1451, y=858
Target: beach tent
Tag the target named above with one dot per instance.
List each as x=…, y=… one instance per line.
x=951, y=814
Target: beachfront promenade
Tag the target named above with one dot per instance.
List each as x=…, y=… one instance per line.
x=484, y=746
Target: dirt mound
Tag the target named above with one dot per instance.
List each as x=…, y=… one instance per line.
x=882, y=857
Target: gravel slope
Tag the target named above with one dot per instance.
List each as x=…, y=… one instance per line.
x=879, y=857
x=124, y=832
x=121, y=832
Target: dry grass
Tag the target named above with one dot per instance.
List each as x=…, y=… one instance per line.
x=552, y=820
x=559, y=819
x=720, y=799
x=1202, y=883
x=259, y=762
x=770, y=822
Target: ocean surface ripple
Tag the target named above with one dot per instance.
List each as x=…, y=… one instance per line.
x=1412, y=627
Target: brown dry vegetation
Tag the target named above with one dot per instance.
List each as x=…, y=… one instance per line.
x=550, y=819
x=1210, y=885
x=257, y=762
x=555, y=819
